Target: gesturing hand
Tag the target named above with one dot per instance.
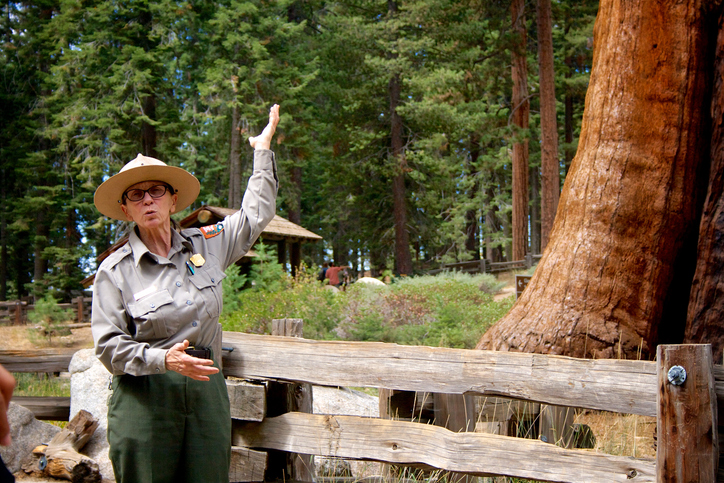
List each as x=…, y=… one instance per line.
x=179, y=361
x=263, y=140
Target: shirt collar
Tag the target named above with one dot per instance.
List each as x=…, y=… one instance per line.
x=139, y=249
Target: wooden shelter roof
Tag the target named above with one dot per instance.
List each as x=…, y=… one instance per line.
x=277, y=229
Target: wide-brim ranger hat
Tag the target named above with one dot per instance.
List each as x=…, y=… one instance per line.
x=108, y=196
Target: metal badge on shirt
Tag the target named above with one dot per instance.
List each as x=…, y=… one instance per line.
x=197, y=260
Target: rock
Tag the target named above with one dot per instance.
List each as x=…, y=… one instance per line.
x=343, y=401
x=27, y=433
x=89, y=390
x=371, y=281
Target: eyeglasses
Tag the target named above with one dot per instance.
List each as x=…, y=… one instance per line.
x=156, y=191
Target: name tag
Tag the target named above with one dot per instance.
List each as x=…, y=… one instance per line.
x=143, y=293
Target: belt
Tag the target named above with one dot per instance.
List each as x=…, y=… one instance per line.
x=199, y=352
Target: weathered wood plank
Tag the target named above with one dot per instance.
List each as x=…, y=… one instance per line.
x=612, y=385
x=48, y=408
x=247, y=465
x=687, y=443
x=36, y=360
x=284, y=398
x=404, y=443
x=248, y=401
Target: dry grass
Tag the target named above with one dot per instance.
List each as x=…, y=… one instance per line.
x=621, y=434
x=25, y=337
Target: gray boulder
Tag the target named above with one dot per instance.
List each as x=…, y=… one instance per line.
x=344, y=401
x=89, y=390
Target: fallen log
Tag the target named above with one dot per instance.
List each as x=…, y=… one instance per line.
x=62, y=454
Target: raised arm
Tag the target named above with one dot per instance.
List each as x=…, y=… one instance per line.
x=263, y=140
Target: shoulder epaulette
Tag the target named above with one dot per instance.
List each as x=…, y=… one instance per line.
x=114, y=258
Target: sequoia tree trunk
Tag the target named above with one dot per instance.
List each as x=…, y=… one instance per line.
x=521, y=113
x=631, y=198
x=706, y=304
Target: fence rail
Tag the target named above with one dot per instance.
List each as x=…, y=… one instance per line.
x=15, y=312
x=686, y=414
x=487, y=265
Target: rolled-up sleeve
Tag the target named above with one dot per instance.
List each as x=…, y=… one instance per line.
x=114, y=346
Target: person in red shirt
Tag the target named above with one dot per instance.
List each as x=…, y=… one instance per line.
x=333, y=275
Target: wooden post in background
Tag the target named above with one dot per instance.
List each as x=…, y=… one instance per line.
x=687, y=443
x=18, y=313
x=455, y=412
x=80, y=307
x=556, y=425
x=289, y=397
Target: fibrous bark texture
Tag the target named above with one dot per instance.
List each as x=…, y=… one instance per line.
x=521, y=113
x=706, y=304
x=630, y=198
x=550, y=171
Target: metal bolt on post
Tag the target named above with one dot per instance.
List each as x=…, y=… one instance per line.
x=677, y=375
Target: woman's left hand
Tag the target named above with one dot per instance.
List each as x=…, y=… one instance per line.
x=179, y=361
x=263, y=140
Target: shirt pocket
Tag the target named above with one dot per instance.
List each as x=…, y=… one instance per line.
x=208, y=283
x=150, y=315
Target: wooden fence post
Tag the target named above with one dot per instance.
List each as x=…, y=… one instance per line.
x=455, y=412
x=19, y=312
x=289, y=397
x=687, y=441
x=80, y=307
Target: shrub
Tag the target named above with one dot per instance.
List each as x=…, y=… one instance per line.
x=451, y=309
x=50, y=317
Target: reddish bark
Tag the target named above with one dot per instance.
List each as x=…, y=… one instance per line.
x=521, y=113
x=630, y=198
x=706, y=303
x=551, y=178
x=235, y=160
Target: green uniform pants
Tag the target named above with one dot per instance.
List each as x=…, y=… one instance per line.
x=168, y=428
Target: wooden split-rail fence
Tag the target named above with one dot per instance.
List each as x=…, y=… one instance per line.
x=275, y=433
x=15, y=312
x=487, y=266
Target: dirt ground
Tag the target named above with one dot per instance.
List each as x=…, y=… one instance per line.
x=25, y=337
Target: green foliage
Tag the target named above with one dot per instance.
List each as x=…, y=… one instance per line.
x=86, y=86
x=50, y=317
x=232, y=285
x=307, y=300
x=266, y=274
x=450, y=310
x=32, y=384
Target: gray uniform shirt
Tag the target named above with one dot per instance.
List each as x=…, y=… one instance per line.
x=144, y=303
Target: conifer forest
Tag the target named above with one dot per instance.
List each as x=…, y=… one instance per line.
x=413, y=132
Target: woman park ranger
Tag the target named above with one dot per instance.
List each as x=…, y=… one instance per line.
x=155, y=320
